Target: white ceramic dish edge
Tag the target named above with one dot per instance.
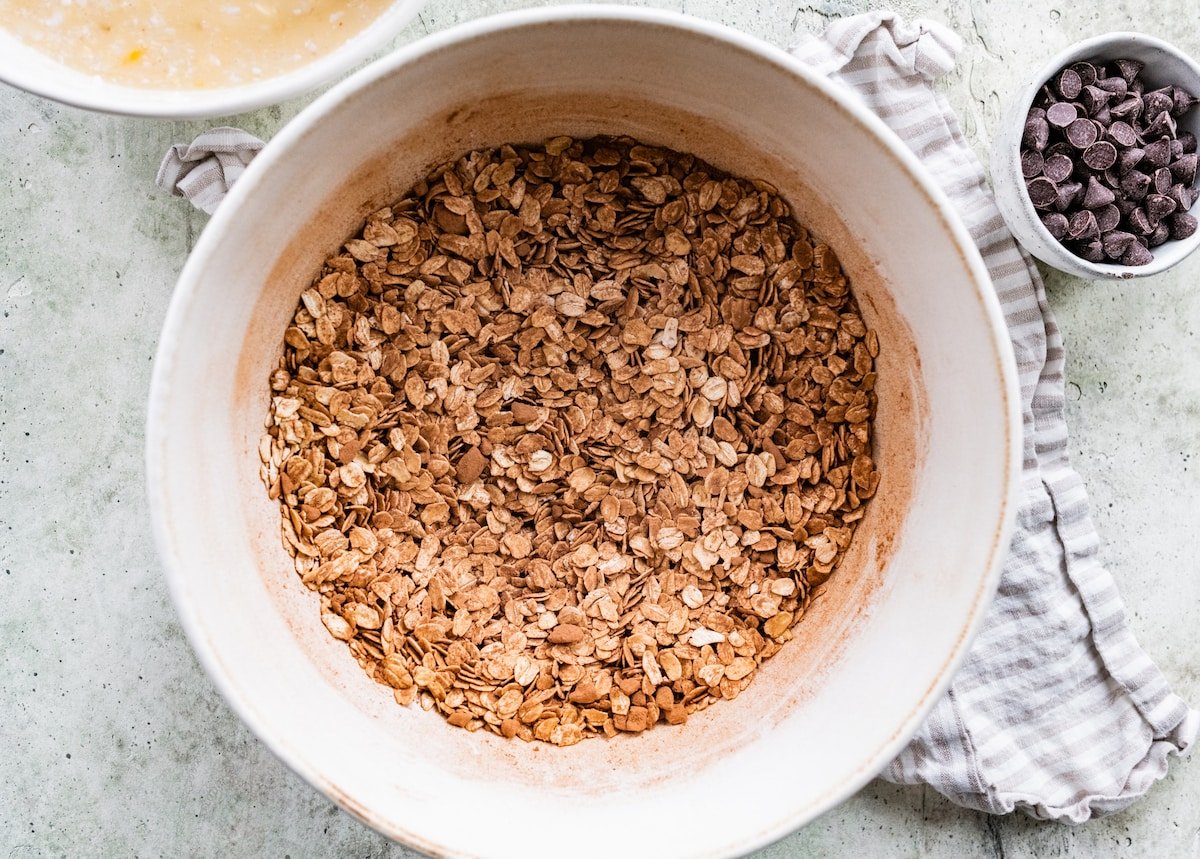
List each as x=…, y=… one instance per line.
x=29, y=70
x=212, y=236
x=1020, y=215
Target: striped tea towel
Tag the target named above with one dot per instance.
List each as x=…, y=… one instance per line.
x=1057, y=711
x=204, y=170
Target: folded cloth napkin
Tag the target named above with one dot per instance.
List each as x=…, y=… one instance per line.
x=204, y=170
x=1057, y=711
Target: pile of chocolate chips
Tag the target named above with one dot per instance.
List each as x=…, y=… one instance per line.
x=1106, y=165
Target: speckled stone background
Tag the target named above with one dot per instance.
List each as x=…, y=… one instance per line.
x=112, y=740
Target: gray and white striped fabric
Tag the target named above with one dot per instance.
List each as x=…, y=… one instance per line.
x=204, y=170
x=1057, y=710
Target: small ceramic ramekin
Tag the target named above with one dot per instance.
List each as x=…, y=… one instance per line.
x=1164, y=64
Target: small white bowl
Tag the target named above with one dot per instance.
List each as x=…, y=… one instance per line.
x=1165, y=64
x=29, y=69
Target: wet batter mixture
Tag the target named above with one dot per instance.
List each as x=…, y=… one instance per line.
x=187, y=44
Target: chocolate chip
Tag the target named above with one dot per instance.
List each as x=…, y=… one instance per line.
x=1092, y=251
x=1128, y=108
x=1042, y=192
x=1182, y=196
x=1162, y=180
x=1056, y=224
x=1097, y=195
x=1086, y=72
x=1158, y=153
x=1037, y=134
x=1060, y=147
x=1069, y=193
x=1094, y=98
x=1068, y=84
x=1118, y=86
x=1111, y=177
x=1183, y=226
x=1137, y=255
x=1125, y=206
x=1158, y=101
x=1176, y=150
x=1183, y=101
x=1161, y=234
x=1129, y=69
x=1062, y=114
x=1129, y=159
x=1082, y=226
x=1184, y=168
x=1158, y=206
x=1188, y=141
x=1107, y=217
x=1162, y=126
x=1100, y=156
x=1081, y=133
x=1135, y=184
x=1116, y=243
x=1122, y=134
x=1057, y=167
x=1031, y=163
x=1139, y=222
x=1037, y=113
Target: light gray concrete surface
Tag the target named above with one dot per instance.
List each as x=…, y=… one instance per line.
x=112, y=740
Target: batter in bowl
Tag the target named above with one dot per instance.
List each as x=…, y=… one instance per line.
x=186, y=44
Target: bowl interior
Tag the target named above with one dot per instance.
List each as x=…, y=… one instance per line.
x=826, y=713
x=31, y=70
x=1164, y=65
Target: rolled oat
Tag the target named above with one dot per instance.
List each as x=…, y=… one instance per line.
x=568, y=438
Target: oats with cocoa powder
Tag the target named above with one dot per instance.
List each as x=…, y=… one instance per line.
x=568, y=438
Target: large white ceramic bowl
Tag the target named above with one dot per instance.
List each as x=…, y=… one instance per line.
x=873, y=654
x=23, y=67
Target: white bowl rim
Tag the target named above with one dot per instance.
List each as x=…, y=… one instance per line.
x=1108, y=271
x=221, y=223
x=119, y=100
